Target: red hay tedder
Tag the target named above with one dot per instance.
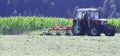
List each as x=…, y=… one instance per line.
x=59, y=28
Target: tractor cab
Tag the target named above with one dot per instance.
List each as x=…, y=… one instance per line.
x=87, y=13
x=87, y=21
x=91, y=15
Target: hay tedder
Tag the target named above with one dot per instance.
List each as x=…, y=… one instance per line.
x=58, y=27
x=87, y=22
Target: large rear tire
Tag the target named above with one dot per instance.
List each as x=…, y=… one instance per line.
x=110, y=30
x=77, y=29
x=93, y=31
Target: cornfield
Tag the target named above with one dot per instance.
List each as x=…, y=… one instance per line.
x=18, y=25
x=116, y=23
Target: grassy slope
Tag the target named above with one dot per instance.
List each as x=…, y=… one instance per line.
x=59, y=46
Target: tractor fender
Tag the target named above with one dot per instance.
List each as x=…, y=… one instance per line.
x=109, y=27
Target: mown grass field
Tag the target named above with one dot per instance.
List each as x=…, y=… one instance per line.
x=22, y=45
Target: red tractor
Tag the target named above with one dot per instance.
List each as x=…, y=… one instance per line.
x=88, y=22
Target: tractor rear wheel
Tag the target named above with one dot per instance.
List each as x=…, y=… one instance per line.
x=93, y=31
x=76, y=29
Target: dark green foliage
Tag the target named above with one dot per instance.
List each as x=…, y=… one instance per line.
x=58, y=8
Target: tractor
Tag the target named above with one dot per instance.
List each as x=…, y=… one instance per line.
x=87, y=22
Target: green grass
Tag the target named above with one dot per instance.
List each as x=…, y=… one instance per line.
x=18, y=25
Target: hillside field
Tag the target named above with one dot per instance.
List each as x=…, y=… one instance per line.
x=22, y=45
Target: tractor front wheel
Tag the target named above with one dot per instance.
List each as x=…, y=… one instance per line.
x=110, y=31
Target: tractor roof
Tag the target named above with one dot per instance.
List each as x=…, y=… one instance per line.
x=87, y=9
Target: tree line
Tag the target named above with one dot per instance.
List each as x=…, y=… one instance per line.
x=57, y=8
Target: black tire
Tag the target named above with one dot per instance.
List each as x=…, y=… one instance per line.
x=67, y=33
x=48, y=33
x=77, y=29
x=93, y=31
x=110, y=30
x=58, y=34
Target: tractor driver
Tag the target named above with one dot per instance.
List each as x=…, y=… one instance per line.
x=86, y=16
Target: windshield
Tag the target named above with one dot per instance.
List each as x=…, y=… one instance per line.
x=94, y=15
x=80, y=15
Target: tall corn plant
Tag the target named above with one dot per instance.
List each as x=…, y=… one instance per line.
x=116, y=23
x=16, y=25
